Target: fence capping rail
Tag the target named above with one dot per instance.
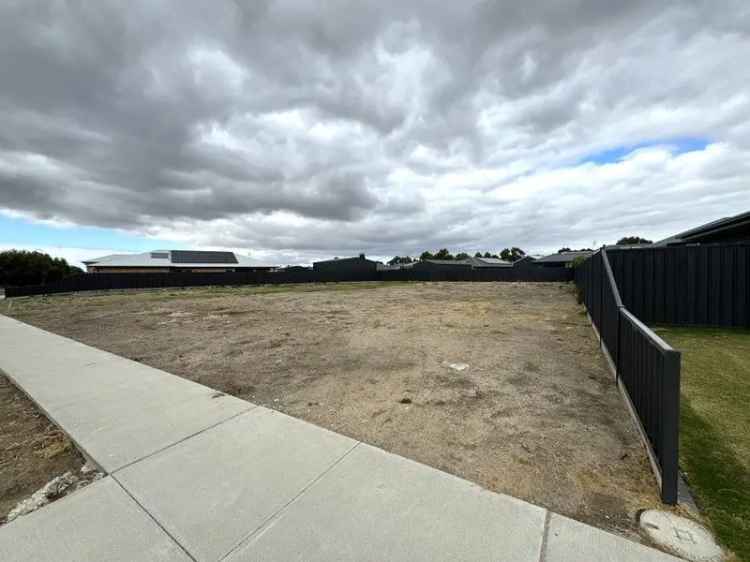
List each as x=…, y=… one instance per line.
x=611, y=277
x=649, y=333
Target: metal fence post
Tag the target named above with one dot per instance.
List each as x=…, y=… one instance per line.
x=670, y=437
x=602, y=276
x=619, y=344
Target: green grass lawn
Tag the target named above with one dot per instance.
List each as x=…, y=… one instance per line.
x=715, y=427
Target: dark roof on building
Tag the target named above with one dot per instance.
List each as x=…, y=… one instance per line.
x=524, y=260
x=735, y=229
x=174, y=258
x=564, y=257
x=193, y=256
x=460, y=263
x=489, y=262
x=361, y=258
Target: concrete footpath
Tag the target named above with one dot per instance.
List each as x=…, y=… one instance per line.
x=194, y=474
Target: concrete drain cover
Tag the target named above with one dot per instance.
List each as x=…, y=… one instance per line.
x=684, y=537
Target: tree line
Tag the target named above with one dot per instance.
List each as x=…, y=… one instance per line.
x=625, y=241
x=508, y=254
x=21, y=267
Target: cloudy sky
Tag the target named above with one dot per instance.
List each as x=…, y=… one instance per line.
x=291, y=130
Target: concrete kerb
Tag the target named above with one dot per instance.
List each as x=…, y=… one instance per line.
x=98, y=522
x=41, y=408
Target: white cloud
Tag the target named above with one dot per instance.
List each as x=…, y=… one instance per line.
x=300, y=130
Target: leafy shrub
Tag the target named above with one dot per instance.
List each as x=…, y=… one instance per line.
x=20, y=267
x=578, y=261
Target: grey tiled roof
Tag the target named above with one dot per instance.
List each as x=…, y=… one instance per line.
x=490, y=262
x=166, y=258
x=449, y=262
x=564, y=257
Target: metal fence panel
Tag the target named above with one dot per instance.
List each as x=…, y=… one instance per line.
x=686, y=285
x=106, y=281
x=649, y=370
x=646, y=368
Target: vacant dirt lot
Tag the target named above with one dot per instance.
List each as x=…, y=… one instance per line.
x=500, y=383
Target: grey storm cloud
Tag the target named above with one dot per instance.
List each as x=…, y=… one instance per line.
x=308, y=128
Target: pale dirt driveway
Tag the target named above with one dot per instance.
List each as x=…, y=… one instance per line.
x=535, y=414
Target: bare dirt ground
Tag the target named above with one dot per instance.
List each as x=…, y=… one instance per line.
x=32, y=450
x=535, y=413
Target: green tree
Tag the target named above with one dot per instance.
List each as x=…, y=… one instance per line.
x=400, y=259
x=512, y=254
x=20, y=267
x=631, y=240
x=479, y=255
x=443, y=254
x=426, y=256
x=563, y=250
x=578, y=261
x=462, y=256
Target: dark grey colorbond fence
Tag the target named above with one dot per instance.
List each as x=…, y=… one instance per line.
x=707, y=285
x=647, y=369
x=108, y=281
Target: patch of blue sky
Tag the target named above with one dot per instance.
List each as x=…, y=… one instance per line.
x=23, y=232
x=679, y=145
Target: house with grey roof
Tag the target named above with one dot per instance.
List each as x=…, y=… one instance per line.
x=442, y=265
x=394, y=266
x=358, y=266
x=489, y=263
x=166, y=261
x=561, y=259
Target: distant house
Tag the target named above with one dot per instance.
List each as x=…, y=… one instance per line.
x=443, y=265
x=358, y=266
x=562, y=259
x=390, y=267
x=489, y=263
x=726, y=230
x=526, y=261
x=166, y=261
x=296, y=268
x=468, y=263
